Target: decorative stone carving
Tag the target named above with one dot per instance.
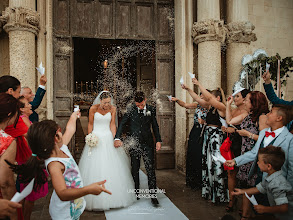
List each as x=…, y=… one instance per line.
x=20, y=19
x=240, y=32
x=63, y=48
x=209, y=30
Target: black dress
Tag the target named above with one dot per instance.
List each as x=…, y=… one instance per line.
x=194, y=152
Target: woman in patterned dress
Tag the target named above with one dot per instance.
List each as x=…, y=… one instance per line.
x=194, y=149
x=252, y=122
x=214, y=178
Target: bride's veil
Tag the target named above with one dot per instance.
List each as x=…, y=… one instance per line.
x=98, y=101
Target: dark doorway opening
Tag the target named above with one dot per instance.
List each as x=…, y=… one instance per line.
x=89, y=57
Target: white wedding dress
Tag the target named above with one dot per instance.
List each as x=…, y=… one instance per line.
x=105, y=162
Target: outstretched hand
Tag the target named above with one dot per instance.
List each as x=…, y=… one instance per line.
x=97, y=188
x=230, y=100
x=267, y=77
x=229, y=163
x=158, y=146
x=118, y=143
x=183, y=86
x=195, y=81
x=174, y=99
x=43, y=80
x=237, y=192
x=8, y=208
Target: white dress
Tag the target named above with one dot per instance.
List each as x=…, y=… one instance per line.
x=105, y=162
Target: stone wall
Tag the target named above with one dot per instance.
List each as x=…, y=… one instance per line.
x=273, y=20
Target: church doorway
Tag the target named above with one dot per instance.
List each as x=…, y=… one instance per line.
x=119, y=66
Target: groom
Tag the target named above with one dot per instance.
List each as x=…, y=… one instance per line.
x=141, y=118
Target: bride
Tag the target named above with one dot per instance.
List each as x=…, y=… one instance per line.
x=104, y=161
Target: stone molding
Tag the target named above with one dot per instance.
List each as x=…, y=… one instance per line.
x=209, y=30
x=215, y=30
x=240, y=32
x=20, y=18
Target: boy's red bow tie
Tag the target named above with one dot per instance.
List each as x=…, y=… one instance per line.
x=270, y=133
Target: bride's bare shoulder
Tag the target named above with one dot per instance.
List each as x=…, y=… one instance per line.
x=94, y=108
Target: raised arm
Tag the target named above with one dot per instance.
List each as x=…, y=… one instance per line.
x=196, y=97
x=183, y=104
x=67, y=194
x=270, y=91
x=210, y=98
x=70, y=127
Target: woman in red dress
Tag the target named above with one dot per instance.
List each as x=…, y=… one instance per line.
x=9, y=114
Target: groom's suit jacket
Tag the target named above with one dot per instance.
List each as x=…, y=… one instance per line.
x=140, y=127
x=284, y=140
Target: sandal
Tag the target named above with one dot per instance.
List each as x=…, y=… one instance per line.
x=229, y=208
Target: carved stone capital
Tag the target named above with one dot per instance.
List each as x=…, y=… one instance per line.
x=240, y=32
x=20, y=19
x=209, y=30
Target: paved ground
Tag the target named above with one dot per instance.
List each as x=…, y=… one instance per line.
x=188, y=201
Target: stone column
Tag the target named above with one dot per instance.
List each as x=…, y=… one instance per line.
x=238, y=39
x=49, y=57
x=22, y=23
x=183, y=65
x=209, y=33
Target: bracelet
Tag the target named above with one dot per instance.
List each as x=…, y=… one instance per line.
x=235, y=162
x=250, y=136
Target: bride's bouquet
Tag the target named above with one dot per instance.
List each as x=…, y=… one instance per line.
x=91, y=140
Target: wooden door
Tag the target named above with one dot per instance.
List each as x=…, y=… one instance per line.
x=117, y=19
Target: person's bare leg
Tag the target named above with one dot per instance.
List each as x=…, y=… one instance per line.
x=245, y=207
x=28, y=209
x=231, y=187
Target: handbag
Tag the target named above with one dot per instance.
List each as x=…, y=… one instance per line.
x=226, y=152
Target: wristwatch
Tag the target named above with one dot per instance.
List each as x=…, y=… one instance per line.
x=235, y=162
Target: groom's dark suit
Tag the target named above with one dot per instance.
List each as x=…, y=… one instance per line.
x=140, y=128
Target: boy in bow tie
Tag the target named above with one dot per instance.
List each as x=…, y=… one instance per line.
x=278, y=135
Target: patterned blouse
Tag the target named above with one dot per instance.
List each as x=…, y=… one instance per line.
x=200, y=113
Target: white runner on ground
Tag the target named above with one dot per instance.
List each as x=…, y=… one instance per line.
x=143, y=208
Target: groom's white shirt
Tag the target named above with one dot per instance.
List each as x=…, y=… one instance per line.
x=144, y=110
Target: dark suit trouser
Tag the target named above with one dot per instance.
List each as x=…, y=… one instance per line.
x=147, y=154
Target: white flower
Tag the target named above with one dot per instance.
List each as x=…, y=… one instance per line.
x=91, y=140
x=148, y=113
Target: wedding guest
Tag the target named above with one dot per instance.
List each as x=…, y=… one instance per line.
x=194, y=149
x=10, y=85
x=49, y=146
x=8, y=208
x=238, y=98
x=9, y=114
x=35, y=100
x=214, y=178
x=252, y=121
x=42, y=191
x=275, y=185
x=278, y=135
x=273, y=97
